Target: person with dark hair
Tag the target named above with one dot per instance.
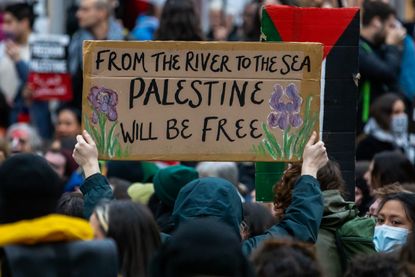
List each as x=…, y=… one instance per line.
x=58, y=162
x=375, y=265
x=395, y=220
x=14, y=70
x=337, y=213
x=218, y=198
x=285, y=258
x=386, y=130
x=381, y=35
x=68, y=122
x=71, y=204
x=363, y=199
x=257, y=219
x=32, y=234
x=17, y=25
x=120, y=188
x=179, y=21
x=133, y=229
x=251, y=26
x=167, y=184
x=388, y=168
x=202, y=247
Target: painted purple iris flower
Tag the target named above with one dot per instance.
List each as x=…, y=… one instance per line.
x=103, y=100
x=285, y=110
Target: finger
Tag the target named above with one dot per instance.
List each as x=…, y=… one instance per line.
x=88, y=138
x=312, y=139
x=80, y=139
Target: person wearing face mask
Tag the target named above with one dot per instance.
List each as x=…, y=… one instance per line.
x=395, y=221
x=386, y=130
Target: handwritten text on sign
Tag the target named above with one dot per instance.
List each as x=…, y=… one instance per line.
x=201, y=101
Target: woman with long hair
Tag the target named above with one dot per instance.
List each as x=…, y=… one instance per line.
x=134, y=230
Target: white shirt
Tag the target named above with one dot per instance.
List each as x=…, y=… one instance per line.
x=9, y=79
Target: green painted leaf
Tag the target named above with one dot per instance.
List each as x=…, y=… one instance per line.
x=272, y=140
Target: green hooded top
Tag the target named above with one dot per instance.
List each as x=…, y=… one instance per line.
x=337, y=211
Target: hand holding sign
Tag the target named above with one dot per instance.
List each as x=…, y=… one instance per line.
x=86, y=154
x=314, y=157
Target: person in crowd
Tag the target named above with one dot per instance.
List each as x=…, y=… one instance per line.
x=58, y=162
x=202, y=247
x=141, y=193
x=215, y=197
x=14, y=70
x=375, y=265
x=134, y=230
x=167, y=184
x=119, y=188
x=132, y=171
x=380, y=193
x=4, y=115
x=146, y=24
x=285, y=258
x=224, y=170
x=386, y=130
x=221, y=19
x=29, y=193
x=17, y=25
x=96, y=22
x=363, y=199
x=68, y=124
x=251, y=25
x=179, y=21
x=23, y=138
x=337, y=212
x=71, y=204
x=379, y=55
x=257, y=219
x=387, y=168
x=395, y=220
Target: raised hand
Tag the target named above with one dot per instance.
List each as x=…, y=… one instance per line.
x=314, y=156
x=86, y=154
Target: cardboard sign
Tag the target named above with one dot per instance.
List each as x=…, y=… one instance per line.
x=201, y=101
x=49, y=76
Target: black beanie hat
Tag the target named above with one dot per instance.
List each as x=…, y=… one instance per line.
x=203, y=246
x=29, y=188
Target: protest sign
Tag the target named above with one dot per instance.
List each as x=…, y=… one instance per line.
x=49, y=77
x=201, y=101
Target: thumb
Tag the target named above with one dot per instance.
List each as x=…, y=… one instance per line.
x=88, y=138
x=312, y=139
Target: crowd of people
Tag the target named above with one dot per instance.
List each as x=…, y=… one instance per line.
x=65, y=213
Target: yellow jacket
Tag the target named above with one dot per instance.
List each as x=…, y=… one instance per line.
x=51, y=228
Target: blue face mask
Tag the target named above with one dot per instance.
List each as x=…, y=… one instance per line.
x=388, y=238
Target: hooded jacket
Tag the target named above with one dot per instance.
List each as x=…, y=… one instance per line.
x=218, y=198
x=337, y=211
